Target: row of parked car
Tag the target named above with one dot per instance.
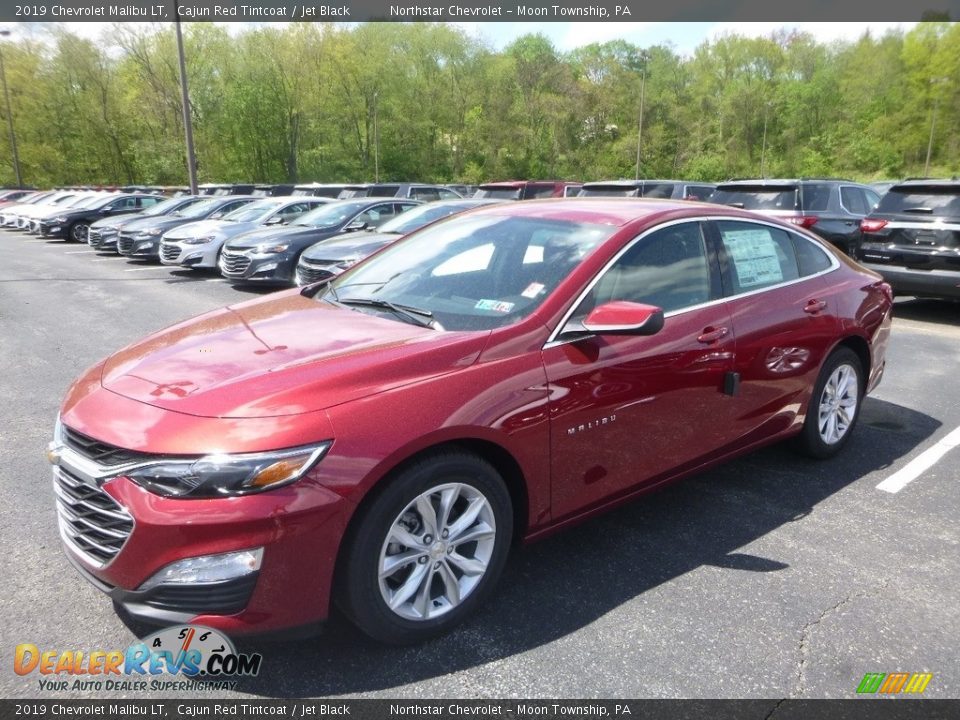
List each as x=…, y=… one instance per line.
x=910, y=234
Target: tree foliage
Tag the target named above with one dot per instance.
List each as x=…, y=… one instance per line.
x=423, y=101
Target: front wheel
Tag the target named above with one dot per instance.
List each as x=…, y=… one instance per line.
x=428, y=550
x=78, y=232
x=834, y=406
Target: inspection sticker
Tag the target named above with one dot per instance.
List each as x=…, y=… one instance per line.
x=494, y=305
x=533, y=289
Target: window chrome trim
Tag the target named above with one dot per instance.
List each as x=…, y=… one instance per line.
x=554, y=340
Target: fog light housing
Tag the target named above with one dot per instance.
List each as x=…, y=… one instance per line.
x=207, y=569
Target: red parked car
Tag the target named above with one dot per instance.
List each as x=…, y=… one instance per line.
x=379, y=440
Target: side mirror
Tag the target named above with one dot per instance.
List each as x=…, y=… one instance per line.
x=356, y=225
x=624, y=318
x=275, y=220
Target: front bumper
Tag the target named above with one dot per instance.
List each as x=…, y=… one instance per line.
x=176, y=253
x=53, y=230
x=102, y=238
x=298, y=526
x=242, y=267
x=138, y=245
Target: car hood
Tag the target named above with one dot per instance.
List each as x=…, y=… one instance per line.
x=115, y=220
x=284, y=354
x=350, y=244
x=160, y=221
x=201, y=228
x=299, y=236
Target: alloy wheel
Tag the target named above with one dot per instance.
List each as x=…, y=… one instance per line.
x=436, y=551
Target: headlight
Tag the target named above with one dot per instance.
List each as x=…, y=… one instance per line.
x=227, y=475
x=56, y=445
x=268, y=249
x=60, y=220
x=153, y=232
x=197, y=240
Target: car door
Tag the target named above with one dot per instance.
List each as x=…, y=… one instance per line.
x=627, y=410
x=782, y=314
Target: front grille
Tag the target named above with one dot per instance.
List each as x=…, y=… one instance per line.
x=93, y=236
x=100, y=452
x=90, y=520
x=125, y=243
x=234, y=263
x=169, y=252
x=308, y=273
x=222, y=598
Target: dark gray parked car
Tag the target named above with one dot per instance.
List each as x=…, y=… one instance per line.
x=141, y=238
x=270, y=255
x=831, y=208
x=329, y=258
x=913, y=238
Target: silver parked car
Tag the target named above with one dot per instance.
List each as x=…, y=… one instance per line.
x=197, y=244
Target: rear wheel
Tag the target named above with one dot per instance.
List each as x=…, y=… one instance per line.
x=428, y=550
x=834, y=406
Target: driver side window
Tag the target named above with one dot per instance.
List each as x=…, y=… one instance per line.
x=668, y=269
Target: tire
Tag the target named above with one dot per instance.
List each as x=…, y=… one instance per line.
x=78, y=232
x=432, y=583
x=831, y=417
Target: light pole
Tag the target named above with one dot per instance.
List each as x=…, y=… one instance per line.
x=376, y=140
x=643, y=86
x=933, y=122
x=185, y=99
x=763, y=148
x=6, y=95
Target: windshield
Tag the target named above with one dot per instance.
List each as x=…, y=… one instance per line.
x=255, y=212
x=471, y=272
x=199, y=209
x=331, y=215
x=163, y=207
x=506, y=193
x=417, y=217
x=757, y=198
x=83, y=201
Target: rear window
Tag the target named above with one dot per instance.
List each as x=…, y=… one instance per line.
x=936, y=201
x=608, y=191
x=499, y=193
x=760, y=197
x=658, y=190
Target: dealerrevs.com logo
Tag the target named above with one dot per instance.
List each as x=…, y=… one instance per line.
x=197, y=658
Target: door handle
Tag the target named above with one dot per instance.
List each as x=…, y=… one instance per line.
x=814, y=306
x=712, y=334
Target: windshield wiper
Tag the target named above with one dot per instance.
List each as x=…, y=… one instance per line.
x=925, y=210
x=418, y=316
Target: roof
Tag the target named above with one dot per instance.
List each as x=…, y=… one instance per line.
x=604, y=210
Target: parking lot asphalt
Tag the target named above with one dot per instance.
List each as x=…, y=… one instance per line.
x=771, y=577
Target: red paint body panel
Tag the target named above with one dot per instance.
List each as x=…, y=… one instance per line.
x=588, y=423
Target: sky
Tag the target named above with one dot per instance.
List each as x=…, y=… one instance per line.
x=684, y=37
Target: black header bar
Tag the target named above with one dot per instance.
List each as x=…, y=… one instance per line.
x=534, y=11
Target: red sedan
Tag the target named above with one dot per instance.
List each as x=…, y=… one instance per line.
x=379, y=440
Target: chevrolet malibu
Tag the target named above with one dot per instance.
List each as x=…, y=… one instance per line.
x=378, y=441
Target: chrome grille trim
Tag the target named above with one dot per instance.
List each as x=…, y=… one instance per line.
x=169, y=252
x=91, y=522
x=233, y=263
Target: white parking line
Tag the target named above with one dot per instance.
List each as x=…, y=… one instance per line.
x=79, y=252
x=920, y=464
x=162, y=267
